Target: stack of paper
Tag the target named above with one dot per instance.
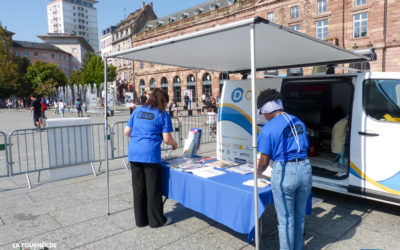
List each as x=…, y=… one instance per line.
x=260, y=183
x=188, y=167
x=221, y=164
x=267, y=172
x=242, y=169
x=206, y=172
x=176, y=162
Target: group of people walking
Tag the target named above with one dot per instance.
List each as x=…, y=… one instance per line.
x=39, y=106
x=283, y=140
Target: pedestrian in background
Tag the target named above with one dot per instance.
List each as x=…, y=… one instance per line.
x=78, y=106
x=283, y=139
x=186, y=100
x=147, y=127
x=84, y=108
x=61, y=107
x=36, y=109
x=44, y=108
x=56, y=111
x=143, y=98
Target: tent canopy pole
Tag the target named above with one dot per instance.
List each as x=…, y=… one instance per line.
x=254, y=128
x=106, y=133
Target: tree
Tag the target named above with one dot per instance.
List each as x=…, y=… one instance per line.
x=46, y=88
x=11, y=78
x=46, y=74
x=75, y=78
x=93, y=70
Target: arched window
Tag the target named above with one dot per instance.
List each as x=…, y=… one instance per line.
x=222, y=78
x=164, y=84
x=191, y=84
x=142, y=86
x=177, y=88
x=207, y=84
x=152, y=84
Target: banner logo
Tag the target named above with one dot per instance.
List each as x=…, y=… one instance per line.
x=237, y=95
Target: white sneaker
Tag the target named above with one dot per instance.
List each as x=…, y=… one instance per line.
x=169, y=221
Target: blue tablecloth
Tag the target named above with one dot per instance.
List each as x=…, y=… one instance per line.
x=222, y=198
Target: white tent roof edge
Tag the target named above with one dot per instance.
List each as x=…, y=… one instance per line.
x=129, y=54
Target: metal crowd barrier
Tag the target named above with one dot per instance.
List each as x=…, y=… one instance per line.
x=4, y=170
x=28, y=150
x=33, y=151
x=208, y=124
x=119, y=141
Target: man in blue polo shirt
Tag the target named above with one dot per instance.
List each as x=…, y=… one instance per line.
x=283, y=139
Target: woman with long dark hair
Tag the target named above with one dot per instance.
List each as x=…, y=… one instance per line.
x=147, y=127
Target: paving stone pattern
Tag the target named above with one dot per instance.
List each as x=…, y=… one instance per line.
x=73, y=214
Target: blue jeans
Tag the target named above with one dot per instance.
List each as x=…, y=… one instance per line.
x=291, y=186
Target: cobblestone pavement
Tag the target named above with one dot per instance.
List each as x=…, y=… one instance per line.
x=72, y=214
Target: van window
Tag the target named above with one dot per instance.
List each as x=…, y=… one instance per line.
x=381, y=99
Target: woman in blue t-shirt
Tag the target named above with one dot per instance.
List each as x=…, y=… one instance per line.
x=283, y=139
x=147, y=127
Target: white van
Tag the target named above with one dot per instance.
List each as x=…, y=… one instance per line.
x=352, y=121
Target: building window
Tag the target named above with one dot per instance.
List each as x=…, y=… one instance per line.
x=74, y=14
x=73, y=7
x=74, y=50
x=207, y=90
x=74, y=59
x=294, y=12
x=26, y=53
x=271, y=17
x=359, y=2
x=295, y=27
x=36, y=54
x=142, y=87
x=360, y=24
x=17, y=52
x=322, y=29
x=141, y=65
x=177, y=89
x=152, y=84
x=321, y=6
x=164, y=84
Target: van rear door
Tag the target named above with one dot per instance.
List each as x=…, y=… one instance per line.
x=375, y=136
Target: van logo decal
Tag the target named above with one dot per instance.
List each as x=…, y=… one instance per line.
x=237, y=95
x=145, y=115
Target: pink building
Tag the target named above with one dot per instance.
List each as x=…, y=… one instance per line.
x=44, y=52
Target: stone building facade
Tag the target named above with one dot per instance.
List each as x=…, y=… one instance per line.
x=44, y=52
x=352, y=24
x=120, y=36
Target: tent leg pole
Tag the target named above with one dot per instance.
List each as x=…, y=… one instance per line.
x=254, y=131
x=106, y=133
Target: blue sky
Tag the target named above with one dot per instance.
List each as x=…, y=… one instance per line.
x=28, y=18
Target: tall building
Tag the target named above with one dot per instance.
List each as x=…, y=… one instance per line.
x=74, y=17
x=74, y=45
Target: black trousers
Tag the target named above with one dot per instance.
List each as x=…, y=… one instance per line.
x=147, y=197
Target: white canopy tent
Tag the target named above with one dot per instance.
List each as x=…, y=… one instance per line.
x=248, y=45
